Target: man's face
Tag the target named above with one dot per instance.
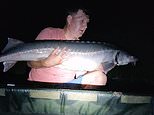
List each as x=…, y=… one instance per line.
x=78, y=24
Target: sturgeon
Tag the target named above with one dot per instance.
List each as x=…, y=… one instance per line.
x=82, y=55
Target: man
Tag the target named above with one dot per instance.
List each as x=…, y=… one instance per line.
x=45, y=70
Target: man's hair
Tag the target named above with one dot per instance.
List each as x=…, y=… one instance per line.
x=75, y=10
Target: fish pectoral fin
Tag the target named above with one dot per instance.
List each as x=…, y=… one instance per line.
x=8, y=65
x=107, y=66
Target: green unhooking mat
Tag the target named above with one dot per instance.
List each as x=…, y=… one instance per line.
x=16, y=101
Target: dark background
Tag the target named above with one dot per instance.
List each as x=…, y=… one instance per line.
x=129, y=25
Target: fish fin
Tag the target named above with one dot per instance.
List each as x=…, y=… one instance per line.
x=107, y=66
x=8, y=65
x=11, y=43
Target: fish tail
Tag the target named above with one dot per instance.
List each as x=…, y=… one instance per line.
x=11, y=43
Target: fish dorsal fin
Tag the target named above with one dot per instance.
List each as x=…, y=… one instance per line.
x=11, y=43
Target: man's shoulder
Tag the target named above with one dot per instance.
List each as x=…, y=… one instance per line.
x=52, y=29
x=51, y=33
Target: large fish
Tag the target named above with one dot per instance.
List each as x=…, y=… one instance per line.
x=82, y=55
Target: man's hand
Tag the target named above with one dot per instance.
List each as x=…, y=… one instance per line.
x=55, y=58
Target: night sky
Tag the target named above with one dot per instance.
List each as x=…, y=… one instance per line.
x=129, y=25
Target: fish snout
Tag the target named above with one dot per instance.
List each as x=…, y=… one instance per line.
x=123, y=58
x=133, y=60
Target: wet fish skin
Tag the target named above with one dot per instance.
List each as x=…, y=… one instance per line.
x=82, y=55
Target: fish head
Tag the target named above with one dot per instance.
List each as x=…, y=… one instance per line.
x=123, y=58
